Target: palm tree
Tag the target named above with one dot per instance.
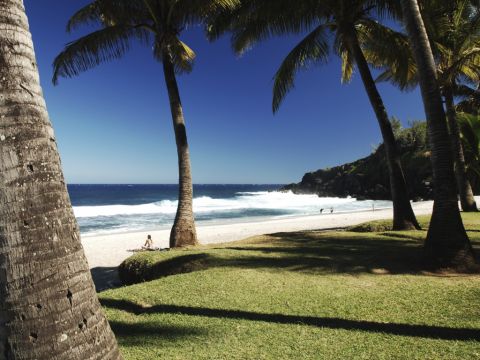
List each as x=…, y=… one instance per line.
x=470, y=134
x=49, y=307
x=454, y=32
x=348, y=21
x=156, y=22
x=447, y=243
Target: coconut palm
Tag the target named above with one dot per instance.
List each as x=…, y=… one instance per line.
x=347, y=22
x=49, y=307
x=470, y=134
x=454, y=33
x=447, y=243
x=158, y=23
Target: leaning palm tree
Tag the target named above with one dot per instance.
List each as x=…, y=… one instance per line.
x=447, y=243
x=49, y=308
x=347, y=21
x=157, y=23
x=454, y=31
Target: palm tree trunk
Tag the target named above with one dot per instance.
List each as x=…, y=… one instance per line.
x=447, y=244
x=48, y=304
x=467, y=200
x=403, y=215
x=183, y=231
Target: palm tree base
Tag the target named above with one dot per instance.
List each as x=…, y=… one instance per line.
x=452, y=261
x=405, y=225
x=403, y=215
x=447, y=245
x=469, y=207
x=183, y=234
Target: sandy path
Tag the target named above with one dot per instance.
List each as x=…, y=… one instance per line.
x=109, y=251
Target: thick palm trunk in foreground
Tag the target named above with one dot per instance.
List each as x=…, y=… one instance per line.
x=49, y=307
x=467, y=199
x=183, y=232
x=447, y=243
x=403, y=215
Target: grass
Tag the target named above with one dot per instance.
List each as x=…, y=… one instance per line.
x=304, y=295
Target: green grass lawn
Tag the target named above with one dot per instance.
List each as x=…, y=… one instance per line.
x=304, y=295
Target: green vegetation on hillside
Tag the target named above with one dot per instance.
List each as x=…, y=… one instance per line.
x=303, y=295
x=368, y=177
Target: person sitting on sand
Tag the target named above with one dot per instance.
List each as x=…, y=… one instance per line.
x=148, y=243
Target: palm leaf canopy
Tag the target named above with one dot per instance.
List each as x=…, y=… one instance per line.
x=470, y=136
x=157, y=23
x=322, y=23
x=454, y=31
x=469, y=99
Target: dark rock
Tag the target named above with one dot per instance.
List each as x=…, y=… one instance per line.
x=367, y=178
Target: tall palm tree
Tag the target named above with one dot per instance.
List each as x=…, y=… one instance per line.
x=454, y=32
x=447, y=243
x=155, y=22
x=48, y=304
x=347, y=21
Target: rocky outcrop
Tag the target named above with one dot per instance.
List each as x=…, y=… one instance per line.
x=367, y=178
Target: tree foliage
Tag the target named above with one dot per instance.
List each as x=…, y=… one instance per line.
x=453, y=28
x=324, y=25
x=470, y=135
x=155, y=23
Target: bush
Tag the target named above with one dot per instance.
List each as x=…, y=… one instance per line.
x=372, y=226
x=149, y=266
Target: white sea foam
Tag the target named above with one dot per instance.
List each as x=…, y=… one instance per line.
x=284, y=201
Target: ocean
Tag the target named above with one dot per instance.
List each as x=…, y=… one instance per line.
x=106, y=209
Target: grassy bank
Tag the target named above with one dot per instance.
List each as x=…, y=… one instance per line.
x=304, y=295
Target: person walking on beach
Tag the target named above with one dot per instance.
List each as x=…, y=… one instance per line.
x=331, y=210
x=148, y=243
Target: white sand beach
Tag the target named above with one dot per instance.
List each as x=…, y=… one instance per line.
x=109, y=251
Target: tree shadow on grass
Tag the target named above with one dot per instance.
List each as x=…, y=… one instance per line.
x=309, y=252
x=146, y=333
x=423, y=331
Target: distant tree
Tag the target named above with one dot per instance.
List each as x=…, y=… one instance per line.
x=158, y=23
x=48, y=304
x=345, y=23
x=413, y=137
x=447, y=244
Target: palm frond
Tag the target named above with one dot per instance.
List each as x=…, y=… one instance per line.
x=312, y=49
x=108, y=13
x=470, y=99
x=194, y=12
x=95, y=48
x=181, y=55
x=348, y=62
x=390, y=51
x=87, y=15
x=257, y=20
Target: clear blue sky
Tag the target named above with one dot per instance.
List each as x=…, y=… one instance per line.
x=113, y=123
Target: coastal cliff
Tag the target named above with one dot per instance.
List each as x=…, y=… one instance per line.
x=367, y=178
